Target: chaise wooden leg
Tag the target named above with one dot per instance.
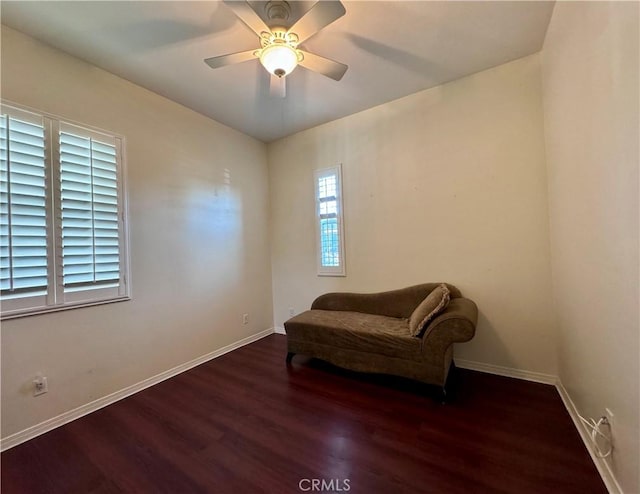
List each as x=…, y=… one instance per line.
x=445, y=396
x=289, y=357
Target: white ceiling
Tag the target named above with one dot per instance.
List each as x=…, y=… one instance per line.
x=392, y=48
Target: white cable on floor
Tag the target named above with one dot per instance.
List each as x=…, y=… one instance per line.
x=595, y=432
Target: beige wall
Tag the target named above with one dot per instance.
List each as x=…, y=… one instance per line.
x=448, y=184
x=590, y=74
x=199, y=246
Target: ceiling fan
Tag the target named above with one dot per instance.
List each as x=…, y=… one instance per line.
x=279, y=52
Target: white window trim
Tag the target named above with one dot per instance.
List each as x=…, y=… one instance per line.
x=330, y=270
x=56, y=299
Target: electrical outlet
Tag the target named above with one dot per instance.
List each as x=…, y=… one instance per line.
x=245, y=318
x=40, y=385
x=292, y=312
x=610, y=416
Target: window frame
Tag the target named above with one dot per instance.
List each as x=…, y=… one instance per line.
x=56, y=298
x=317, y=175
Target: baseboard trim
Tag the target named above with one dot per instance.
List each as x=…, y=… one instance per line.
x=76, y=413
x=603, y=467
x=498, y=370
x=279, y=330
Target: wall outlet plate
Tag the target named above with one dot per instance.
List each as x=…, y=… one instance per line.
x=40, y=385
x=245, y=318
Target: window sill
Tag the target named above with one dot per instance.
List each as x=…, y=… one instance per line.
x=45, y=310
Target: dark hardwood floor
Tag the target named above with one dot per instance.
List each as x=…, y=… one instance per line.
x=245, y=423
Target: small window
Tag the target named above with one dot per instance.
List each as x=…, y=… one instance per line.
x=330, y=223
x=62, y=215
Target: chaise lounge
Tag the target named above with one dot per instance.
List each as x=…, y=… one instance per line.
x=408, y=332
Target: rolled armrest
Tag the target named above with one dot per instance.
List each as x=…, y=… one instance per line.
x=393, y=303
x=456, y=324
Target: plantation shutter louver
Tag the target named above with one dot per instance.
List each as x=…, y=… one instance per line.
x=23, y=209
x=89, y=209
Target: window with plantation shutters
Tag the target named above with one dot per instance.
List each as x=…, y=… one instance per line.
x=62, y=211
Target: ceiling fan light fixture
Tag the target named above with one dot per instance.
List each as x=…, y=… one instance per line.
x=279, y=59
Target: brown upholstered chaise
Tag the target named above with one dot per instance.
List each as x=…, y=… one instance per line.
x=370, y=332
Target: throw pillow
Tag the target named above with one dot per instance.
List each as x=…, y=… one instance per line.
x=428, y=309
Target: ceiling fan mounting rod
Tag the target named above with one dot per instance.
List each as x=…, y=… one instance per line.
x=277, y=10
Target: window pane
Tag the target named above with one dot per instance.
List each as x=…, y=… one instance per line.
x=329, y=242
x=327, y=187
x=329, y=207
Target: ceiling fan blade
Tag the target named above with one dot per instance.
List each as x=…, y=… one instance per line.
x=320, y=15
x=230, y=59
x=277, y=86
x=330, y=68
x=247, y=15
